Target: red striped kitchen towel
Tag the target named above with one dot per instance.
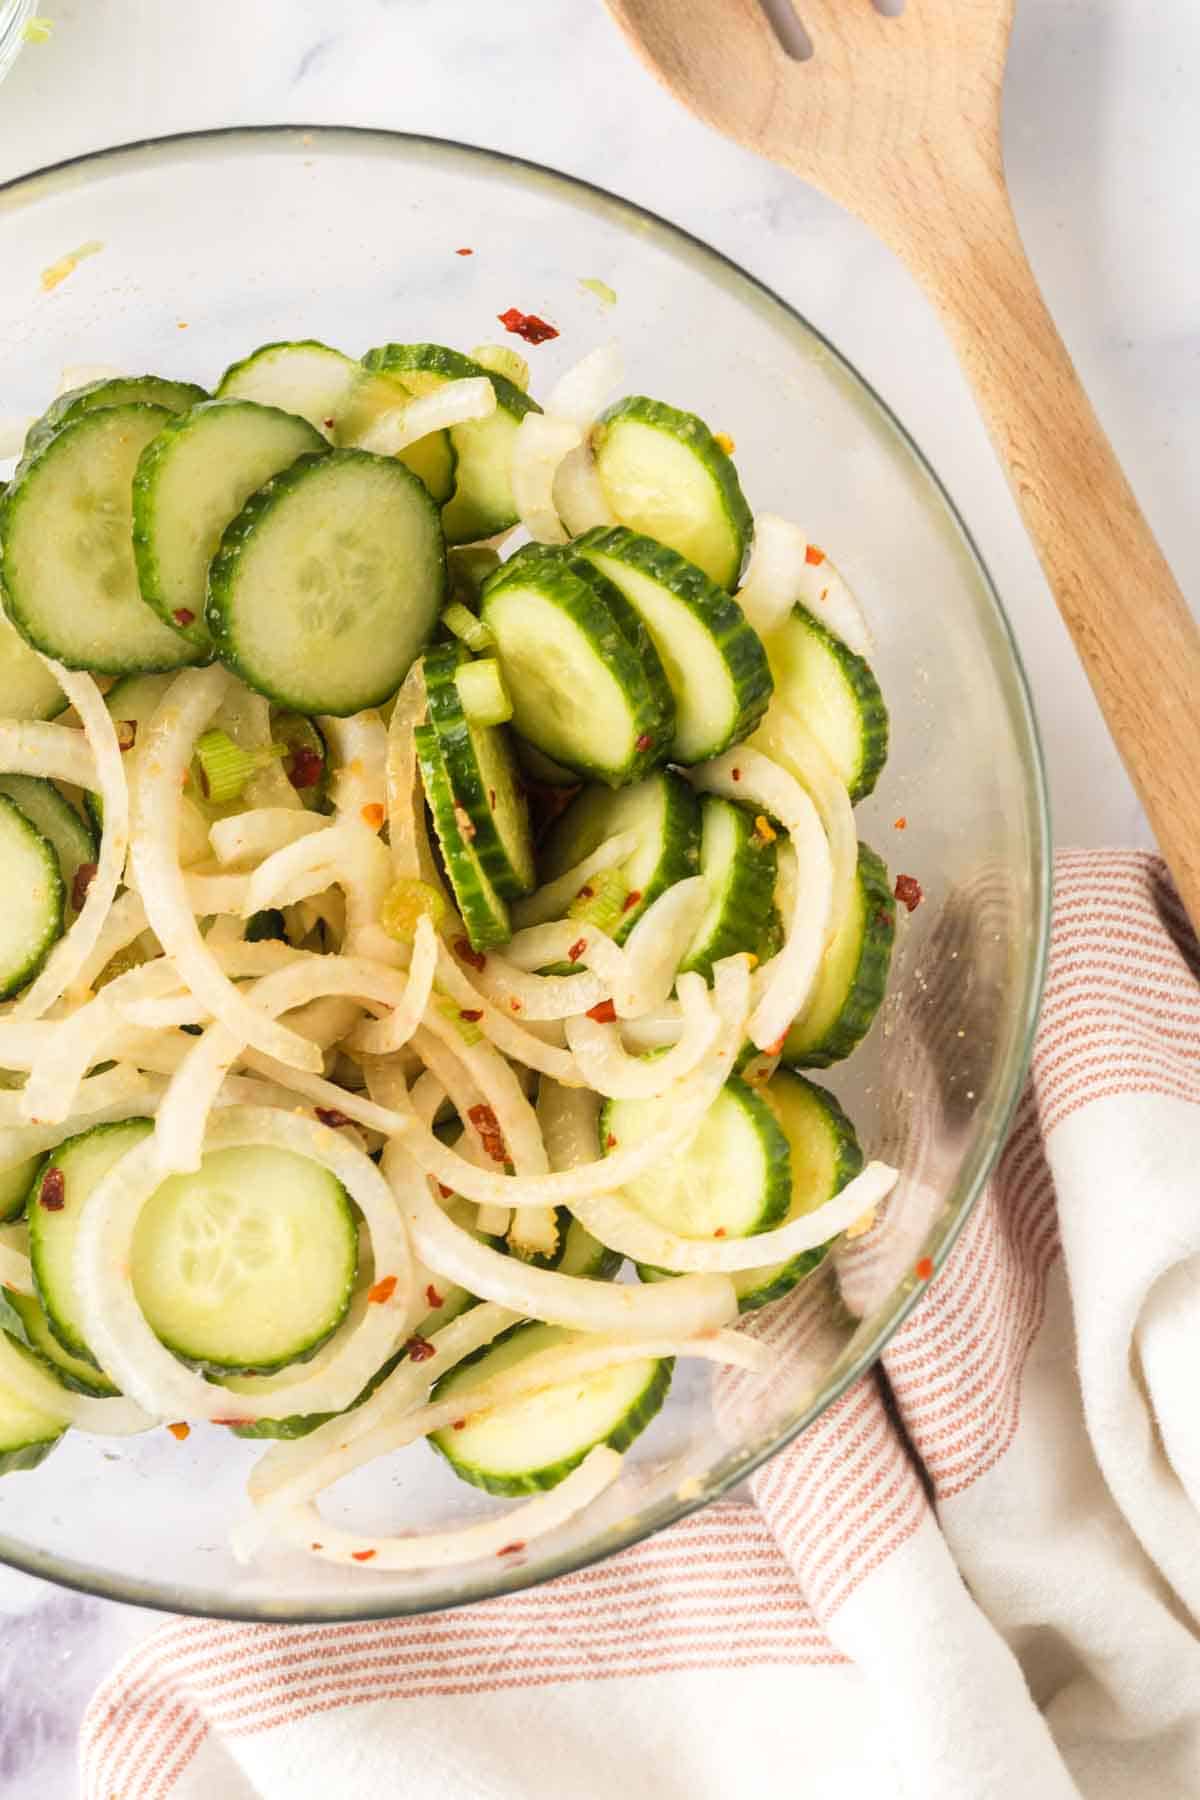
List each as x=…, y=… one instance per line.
x=975, y=1577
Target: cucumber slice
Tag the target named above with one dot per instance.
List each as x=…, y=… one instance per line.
x=534, y=1443
x=329, y=583
x=714, y=661
x=56, y=819
x=69, y=575
x=30, y=1326
x=823, y=682
x=482, y=769
x=853, y=975
x=664, y=814
x=27, y=688
x=666, y=475
x=738, y=863
x=484, y=911
x=558, y=641
x=27, y=1433
x=337, y=398
x=116, y=390
x=733, y=1179
x=191, y=480
x=539, y=769
x=581, y=1254
x=15, y=1183
x=246, y=1265
x=482, y=503
x=31, y=921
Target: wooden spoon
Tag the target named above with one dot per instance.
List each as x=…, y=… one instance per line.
x=898, y=119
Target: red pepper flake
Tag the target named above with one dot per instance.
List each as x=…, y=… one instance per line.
x=577, y=949
x=513, y=1548
x=490, y=1136
x=329, y=422
x=238, y=1421
x=604, y=1012
x=459, y=1425
x=180, y=1430
x=776, y=1049
x=924, y=1268
x=126, y=734
x=474, y=959
x=585, y=892
x=444, y=1191
x=814, y=556
x=183, y=615
x=632, y=899
x=515, y=1006
x=53, y=1194
x=316, y=1546
x=900, y=824
x=644, y=742
x=736, y=773
x=304, y=767
x=471, y=1014
x=909, y=892
x=610, y=1142
x=85, y=874
x=720, y=1231
x=464, y=252
x=372, y=815
x=527, y=326
x=419, y=1349
x=433, y=1298
x=362, y=1555
x=383, y=1290
x=329, y=1115
x=492, y=798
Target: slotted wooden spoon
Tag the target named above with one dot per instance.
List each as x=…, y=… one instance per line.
x=898, y=119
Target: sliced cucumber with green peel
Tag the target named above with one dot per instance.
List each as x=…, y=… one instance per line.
x=733, y=1179
x=15, y=1184
x=540, y=770
x=248, y=1264
x=191, y=480
x=68, y=835
x=581, y=1254
x=483, y=775
x=714, y=660
x=66, y=540
x=482, y=503
x=665, y=474
x=737, y=861
x=661, y=811
x=853, y=977
x=329, y=583
x=27, y=1433
x=484, y=912
x=31, y=1327
x=27, y=688
x=582, y=693
x=835, y=693
x=433, y=458
x=31, y=921
x=113, y=390
x=534, y=1443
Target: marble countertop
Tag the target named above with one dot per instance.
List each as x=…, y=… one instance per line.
x=1101, y=143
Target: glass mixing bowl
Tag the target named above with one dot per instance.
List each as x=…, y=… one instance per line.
x=216, y=242
x=14, y=16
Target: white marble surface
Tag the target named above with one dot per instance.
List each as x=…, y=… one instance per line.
x=1102, y=143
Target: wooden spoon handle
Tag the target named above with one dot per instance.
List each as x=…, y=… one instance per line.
x=1133, y=629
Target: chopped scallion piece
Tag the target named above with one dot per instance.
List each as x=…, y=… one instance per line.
x=483, y=693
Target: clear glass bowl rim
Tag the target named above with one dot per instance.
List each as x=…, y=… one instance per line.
x=578, y=189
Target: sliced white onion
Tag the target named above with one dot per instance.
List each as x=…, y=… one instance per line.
x=788, y=741
x=16, y=1270
x=579, y=394
x=400, y=771
x=78, y=1042
x=248, y=837
x=500, y=1090
x=288, y=874
x=656, y=1310
x=246, y=717
x=578, y=492
x=56, y=752
x=116, y=1329
x=774, y=575
x=24, y=1378
x=448, y=1549
x=210, y=894
x=657, y=945
x=539, y=445
x=551, y=901
x=824, y=592
x=609, y=1069
x=690, y=1100
x=125, y=923
x=119, y=1093
x=75, y=946
x=499, y=1025
x=358, y=747
x=454, y=403
x=381, y=1037
x=186, y=709
x=782, y=985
